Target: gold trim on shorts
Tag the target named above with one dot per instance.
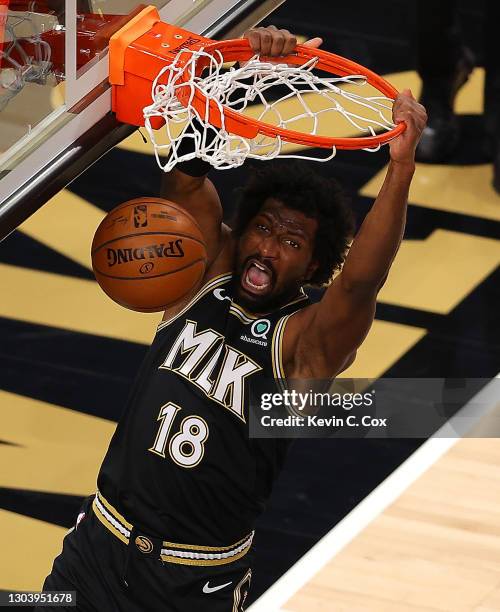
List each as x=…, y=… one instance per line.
x=183, y=554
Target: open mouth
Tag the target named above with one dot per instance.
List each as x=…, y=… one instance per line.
x=256, y=278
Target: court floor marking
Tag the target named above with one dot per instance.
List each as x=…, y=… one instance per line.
x=378, y=500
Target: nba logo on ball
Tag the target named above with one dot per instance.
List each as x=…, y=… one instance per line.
x=140, y=216
x=260, y=328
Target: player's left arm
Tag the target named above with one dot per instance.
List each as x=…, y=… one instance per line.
x=339, y=323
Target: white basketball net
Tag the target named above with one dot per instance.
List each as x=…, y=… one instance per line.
x=255, y=83
x=32, y=69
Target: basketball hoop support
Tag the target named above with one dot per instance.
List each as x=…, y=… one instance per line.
x=137, y=53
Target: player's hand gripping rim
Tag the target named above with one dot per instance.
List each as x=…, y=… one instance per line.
x=272, y=42
x=406, y=109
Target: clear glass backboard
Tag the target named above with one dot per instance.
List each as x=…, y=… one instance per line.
x=53, y=75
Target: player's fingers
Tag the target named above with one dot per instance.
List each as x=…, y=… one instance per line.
x=290, y=42
x=277, y=44
x=403, y=114
x=254, y=40
x=416, y=112
x=406, y=93
x=403, y=102
x=422, y=113
x=314, y=42
x=265, y=41
x=415, y=124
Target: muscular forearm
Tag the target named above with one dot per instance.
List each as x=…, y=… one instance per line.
x=188, y=185
x=380, y=235
x=199, y=197
x=175, y=182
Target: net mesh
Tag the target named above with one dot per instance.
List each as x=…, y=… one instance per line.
x=17, y=66
x=290, y=97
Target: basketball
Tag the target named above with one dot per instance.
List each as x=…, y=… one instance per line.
x=148, y=253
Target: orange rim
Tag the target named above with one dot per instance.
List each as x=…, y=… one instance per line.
x=239, y=50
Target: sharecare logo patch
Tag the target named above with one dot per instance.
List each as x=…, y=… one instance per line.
x=260, y=328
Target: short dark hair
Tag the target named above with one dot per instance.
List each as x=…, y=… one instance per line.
x=297, y=186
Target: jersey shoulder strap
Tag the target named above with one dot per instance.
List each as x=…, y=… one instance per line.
x=209, y=286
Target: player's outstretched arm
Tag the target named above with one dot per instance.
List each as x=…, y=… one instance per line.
x=339, y=323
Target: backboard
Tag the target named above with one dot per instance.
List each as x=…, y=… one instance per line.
x=55, y=100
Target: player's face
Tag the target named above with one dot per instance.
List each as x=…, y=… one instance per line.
x=274, y=256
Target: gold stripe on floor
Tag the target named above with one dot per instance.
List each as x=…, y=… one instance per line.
x=53, y=449
x=385, y=344
x=466, y=190
x=66, y=224
x=29, y=546
x=436, y=274
x=70, y=303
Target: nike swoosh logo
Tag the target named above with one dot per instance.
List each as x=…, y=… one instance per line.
x=208, y=589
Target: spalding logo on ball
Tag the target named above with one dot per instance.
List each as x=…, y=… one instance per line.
x=148, y=254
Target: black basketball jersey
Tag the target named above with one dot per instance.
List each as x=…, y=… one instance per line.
x=181, y=463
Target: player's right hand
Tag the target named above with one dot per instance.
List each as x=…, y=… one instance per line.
x=275, y=43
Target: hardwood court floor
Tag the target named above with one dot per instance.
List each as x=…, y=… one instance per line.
x=437, y=548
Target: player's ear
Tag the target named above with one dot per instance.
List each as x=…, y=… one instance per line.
x=311, y=269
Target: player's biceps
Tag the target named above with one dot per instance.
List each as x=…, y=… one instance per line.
x=347, y=326
x=362, y=325
x=197, y=195
x=204, y=205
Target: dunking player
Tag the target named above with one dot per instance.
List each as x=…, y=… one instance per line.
x=182, y=483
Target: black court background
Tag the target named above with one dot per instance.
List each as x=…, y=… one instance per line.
x=323, y=480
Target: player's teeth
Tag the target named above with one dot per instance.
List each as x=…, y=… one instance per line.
x=258, y=287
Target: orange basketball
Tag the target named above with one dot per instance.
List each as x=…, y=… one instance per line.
x=148, y=253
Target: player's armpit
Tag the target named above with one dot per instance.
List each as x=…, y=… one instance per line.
x=348, y=362
x=322, y=339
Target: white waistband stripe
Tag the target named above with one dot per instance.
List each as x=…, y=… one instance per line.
x=109, y=517
x=194, y=555
x=111, y=521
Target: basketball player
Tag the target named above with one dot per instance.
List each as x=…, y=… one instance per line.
x=182, y=483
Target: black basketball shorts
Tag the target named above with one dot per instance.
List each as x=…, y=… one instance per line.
x=109, y=575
